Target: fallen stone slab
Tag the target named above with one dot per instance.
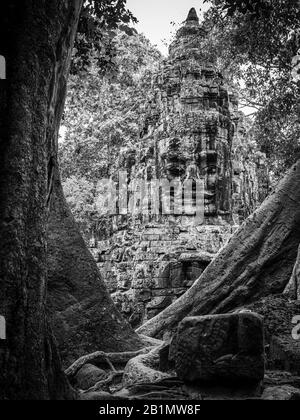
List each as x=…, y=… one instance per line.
x=220, y=347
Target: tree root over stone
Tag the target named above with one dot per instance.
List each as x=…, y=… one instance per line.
x=144, y=368
x=105, y=382
x=100, y=357
x=130, y=375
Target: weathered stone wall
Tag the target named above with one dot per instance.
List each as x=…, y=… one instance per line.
x=192, y=130
x=150, y=265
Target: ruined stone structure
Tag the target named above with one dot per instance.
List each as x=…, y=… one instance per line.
x=193, y=131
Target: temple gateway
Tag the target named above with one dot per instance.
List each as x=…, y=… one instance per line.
x=192, y=130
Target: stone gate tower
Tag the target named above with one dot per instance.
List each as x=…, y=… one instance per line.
x=189, y=131
x=192, y=123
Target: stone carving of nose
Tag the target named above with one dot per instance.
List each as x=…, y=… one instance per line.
x=2, y=67
x=2, y=328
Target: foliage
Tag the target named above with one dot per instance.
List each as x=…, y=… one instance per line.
x=102, y=116
x=257, y=8
x=98, y=22
x=79, y=193
x=256, y=43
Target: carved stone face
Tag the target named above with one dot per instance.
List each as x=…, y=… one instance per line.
x=195, y=142
x=191, y=129
x=197, y=156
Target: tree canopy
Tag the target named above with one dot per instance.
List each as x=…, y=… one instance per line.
x=96, y=29
x=103, y=118
x=256, y=44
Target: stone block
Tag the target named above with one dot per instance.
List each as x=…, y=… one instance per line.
x=161, y=283
x=201, y=257
x=165, y=237
x=149, y=237
x=156, y=244
x=160, y=230
x=220, y=347
x=145, y=283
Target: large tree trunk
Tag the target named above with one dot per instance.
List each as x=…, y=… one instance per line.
x=84, y=317
x=258, y=261
x=292, y=290
x=36, y=38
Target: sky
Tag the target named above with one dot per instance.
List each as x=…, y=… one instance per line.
x=155, y=17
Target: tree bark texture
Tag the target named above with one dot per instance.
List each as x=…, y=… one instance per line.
x=36, y=38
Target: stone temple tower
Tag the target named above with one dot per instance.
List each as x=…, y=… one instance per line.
x=196, y=127
x=190, y=131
